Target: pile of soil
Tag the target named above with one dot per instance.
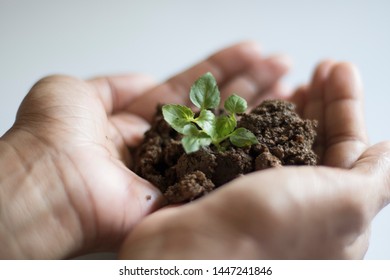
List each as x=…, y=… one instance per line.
x=284, y=139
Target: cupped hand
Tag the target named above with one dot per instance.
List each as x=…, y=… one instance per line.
x=85, y=129
x=291, y=212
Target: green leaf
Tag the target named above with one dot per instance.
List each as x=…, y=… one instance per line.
x=194, y=139
x=204, y=92
x=224, y=125
x=206, y=121
x=177, y=116
x=190, y=129
x=192, y=143
x=235, y=104
x=242, y=137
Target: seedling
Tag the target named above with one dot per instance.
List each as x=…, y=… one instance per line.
x=205, y=128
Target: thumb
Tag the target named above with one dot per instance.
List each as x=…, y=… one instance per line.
x=375, y=164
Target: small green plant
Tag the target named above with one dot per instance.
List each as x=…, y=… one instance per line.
x=206, y=128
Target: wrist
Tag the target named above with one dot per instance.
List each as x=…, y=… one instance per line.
x=37, y=219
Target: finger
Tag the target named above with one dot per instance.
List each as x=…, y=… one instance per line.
x=125, y=130
x=314, y=107
x=374, y=163
x=256, y=81
x=138, y=198
x=224, y=65
x=299, y=98
x=358, y=248
x=130, y=127
x=346, y=136
x=118, y=91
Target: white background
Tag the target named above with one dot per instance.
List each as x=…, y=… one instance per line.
x=88, y=38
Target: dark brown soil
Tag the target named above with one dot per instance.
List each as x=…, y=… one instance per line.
x=284, y=139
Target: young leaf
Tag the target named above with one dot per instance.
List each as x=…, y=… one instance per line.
x=192, y=143
x=242, y=137
x=235, y=104
x=206, y=121
x=224, y=125
x=177, y=116
x=190, y=130
x=204, y=92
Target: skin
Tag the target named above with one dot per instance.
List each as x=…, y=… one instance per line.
x=65, y=186
x=290, y=212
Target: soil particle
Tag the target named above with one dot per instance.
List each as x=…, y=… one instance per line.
x=203, y=160
x=231, y=164
x=190, y=186
x=284, y=139
x=266, y=160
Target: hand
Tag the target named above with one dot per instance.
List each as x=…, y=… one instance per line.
x=335, y=98
x=290, y=212
x=69, y=190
